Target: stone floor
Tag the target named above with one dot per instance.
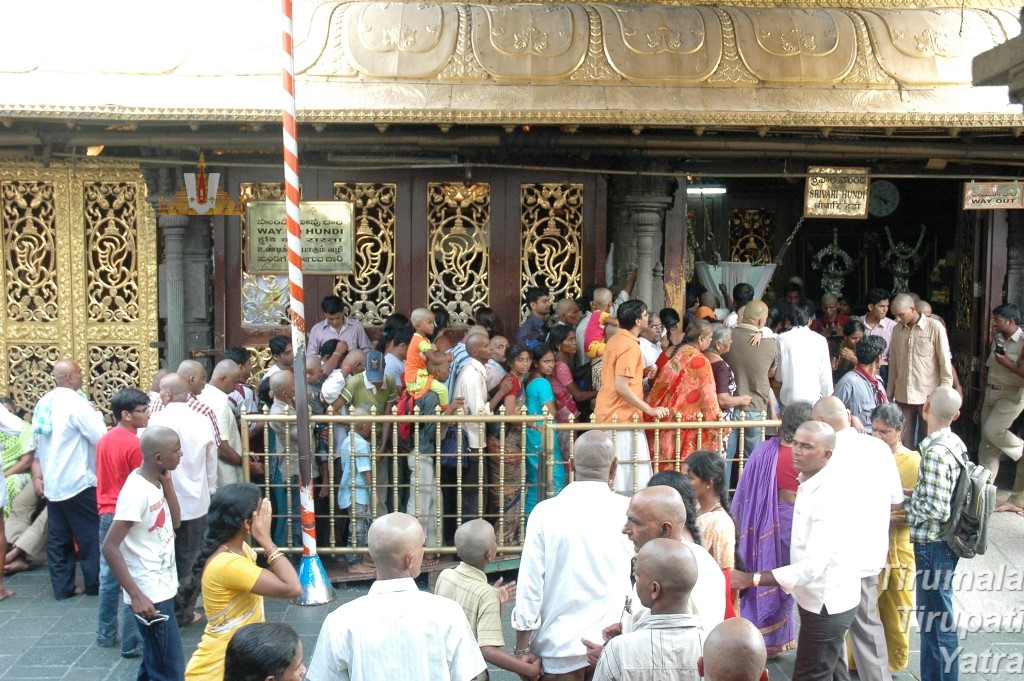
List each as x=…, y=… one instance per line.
x=44, y=639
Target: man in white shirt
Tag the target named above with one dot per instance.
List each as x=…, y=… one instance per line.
x=873, y=482
x=214, y=394
x=67, y=428
x=667, y=643
x=195, y=480
x=574, y=573
x=471, y=386
x=824, y=573
x=396, y=632
x=805, y=367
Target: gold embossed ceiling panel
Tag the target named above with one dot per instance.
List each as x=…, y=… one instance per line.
x=538, y=42
x=796, y=46
x=662, y=44
x=388, y=40
x=927, y=47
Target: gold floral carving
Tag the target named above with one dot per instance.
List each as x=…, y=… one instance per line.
x=30, y=373
x=536, y=42
x=112, y=368
x=100, y=254
x=261, y=361
x=29, y=231
x=369, y=293
x=458, y=247
x=964, y=289
x=401, y=39
x=112, y=275
x=552, y=227
x=264, y=297
x=751, y=235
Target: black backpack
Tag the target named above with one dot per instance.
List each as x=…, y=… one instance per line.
x=973, y=501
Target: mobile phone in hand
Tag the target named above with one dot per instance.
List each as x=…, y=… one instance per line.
x=160, y=618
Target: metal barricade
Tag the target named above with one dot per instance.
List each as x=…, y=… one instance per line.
x=419, y=475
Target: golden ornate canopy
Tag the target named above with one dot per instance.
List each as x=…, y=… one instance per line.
x=854, y=63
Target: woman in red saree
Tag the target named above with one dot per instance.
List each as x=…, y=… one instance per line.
x=686, y=386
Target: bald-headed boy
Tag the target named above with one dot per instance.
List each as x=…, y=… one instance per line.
x=139, y=548
x=466, y=584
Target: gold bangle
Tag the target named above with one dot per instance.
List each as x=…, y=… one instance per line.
x=274, y=557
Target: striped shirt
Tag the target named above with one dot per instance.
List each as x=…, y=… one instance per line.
x=195, y=478
x=196, y=406
x=467, y=586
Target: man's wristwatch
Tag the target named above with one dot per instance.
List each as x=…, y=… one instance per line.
x=756, y=579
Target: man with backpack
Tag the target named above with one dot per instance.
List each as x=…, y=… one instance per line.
x=928, y=514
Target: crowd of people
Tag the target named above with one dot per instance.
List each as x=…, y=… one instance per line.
x=636, y=560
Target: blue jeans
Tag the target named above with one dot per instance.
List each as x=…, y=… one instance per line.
x=935, y=565
x=110, y=596
x=162, y=657
x=751, y=438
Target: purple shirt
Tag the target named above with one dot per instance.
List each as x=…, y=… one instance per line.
x=352, y=332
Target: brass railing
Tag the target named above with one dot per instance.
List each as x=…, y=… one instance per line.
x=396, y=475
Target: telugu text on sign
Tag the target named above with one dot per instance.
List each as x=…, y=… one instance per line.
x=836, y=193
x=327, y=237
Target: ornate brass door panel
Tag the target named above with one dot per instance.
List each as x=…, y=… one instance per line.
x=79, y=278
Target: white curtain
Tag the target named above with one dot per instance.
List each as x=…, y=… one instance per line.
x=732, y=273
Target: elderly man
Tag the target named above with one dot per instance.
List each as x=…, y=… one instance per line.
x=286, y=454
x=214, y=394
x=67, y=428
x=568, y=312
x=195, y=481
x=471, y=386
x=667, y=643
x=1003, y=401
x=869, y=470
x=574, y=574
x=621, y=396
x=396, y=631
x=823, y=575
x=927, y=511
x=919, y=362
x=734, y=651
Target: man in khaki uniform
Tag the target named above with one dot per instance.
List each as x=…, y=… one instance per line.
x=1004, y=400
x=919, y=362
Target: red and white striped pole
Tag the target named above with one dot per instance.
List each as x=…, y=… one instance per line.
x=316, y=588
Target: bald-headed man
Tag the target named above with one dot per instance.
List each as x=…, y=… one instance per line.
x=195, y=480
x=194, y=375
x=927, y=510
x=753, y=366
x=67, y=428
x=574, y=573
x=734, y=651
x=659, y=511
x=919, y=362
x=396, y=632
x=284, y=465
x=215, y=395
x=875, y=492
x=666, y=644
x=824, y=571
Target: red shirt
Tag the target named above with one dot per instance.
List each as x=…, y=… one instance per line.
x=118, y=453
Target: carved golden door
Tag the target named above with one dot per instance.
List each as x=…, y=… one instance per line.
x=79, y=278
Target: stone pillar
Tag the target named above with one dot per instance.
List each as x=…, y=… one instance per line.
x=648, y=211
x=173, y=229
x=198, y=299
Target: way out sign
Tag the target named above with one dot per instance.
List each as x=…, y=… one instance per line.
x=836, y=193
x=993, y=195
x=327, y=237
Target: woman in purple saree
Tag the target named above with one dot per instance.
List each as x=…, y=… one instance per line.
x=763, y=510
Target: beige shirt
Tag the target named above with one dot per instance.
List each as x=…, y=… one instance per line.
x=998, y=375
x=918, y=361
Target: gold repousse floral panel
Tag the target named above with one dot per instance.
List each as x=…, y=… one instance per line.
x=552, y=228
x=30, y=372
x=261, y=361
x=112, y=368
x=369, y=293
x=264, y=297
x=751, y=235
x=458, y=247
x=112, y=277
x=30, y=250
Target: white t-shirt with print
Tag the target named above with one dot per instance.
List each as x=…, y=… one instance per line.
x=148, y=548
